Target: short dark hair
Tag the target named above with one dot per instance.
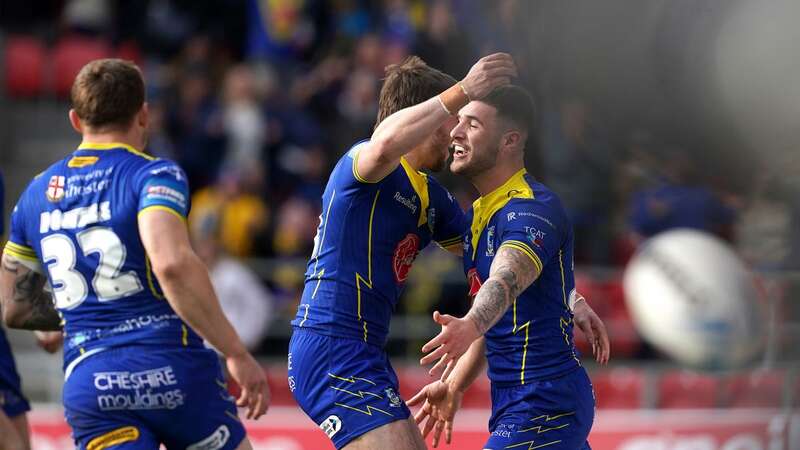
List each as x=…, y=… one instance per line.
x=513, y=103
x=410, y=83
x=107, y=93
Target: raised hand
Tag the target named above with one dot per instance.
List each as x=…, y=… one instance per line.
x=451, y=343
x=488, y=73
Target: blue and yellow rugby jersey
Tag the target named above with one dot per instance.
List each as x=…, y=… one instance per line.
x=368, y=237
x=533, y=340
x=78, y=219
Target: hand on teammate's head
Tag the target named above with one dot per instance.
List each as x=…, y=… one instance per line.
x=488, y=73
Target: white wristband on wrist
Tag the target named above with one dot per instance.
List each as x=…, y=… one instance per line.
x=574, y=298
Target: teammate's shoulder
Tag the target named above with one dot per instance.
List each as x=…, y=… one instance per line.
x=357, y=147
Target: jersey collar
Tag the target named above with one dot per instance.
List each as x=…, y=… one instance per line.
x=113, y=146
x=484, y=207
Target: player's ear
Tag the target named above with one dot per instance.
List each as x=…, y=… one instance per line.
x=512, y=139
x=143, y=116
x=75, y=121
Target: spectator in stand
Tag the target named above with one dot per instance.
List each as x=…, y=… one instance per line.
x=579, y=167
x=195, y=125
x=677, y=200
x=244, y=121
x=233, y=203
x=441, y=44
x=247, y=304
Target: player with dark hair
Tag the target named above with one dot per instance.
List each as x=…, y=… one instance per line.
x=518, y=257
x=106, y=227
x=378, y=211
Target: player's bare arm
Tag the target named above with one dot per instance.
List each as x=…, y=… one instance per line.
x=187, y=286
x=511, y=272
x=25, y=302
x=402, y=131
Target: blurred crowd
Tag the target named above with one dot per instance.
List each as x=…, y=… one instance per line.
x=258, y=99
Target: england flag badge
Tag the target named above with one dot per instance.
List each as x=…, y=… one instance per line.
x=55, y=188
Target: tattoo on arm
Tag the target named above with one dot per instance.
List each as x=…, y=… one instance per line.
x=511, y=273
x=23, y=297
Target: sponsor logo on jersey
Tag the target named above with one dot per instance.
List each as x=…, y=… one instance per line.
x=404, y=255
x=74, y=218
x=113, y=438
x=409, y=203
x=55, y=188
x=474, y=281
x=533, y=214
x=292, y=384
x=162, y=192
x=175, y=171
x=145, y=390
x=331, y=425
x=535, y=236
x=216, y=441
x=490, y=241
x=511, y=216
x=394, y=399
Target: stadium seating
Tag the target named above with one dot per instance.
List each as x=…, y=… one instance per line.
x=24, y=66
x=620, y=388
x=757, y=389
x=69, y=55
x=685, y=389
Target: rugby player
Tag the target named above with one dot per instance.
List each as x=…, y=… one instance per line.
x=518, y=255
x=106, y=227
x=378, y=211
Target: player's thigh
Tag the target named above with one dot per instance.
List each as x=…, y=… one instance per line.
x=245, y=445
x=20, y=424
x=10, y=438
x=399, y=435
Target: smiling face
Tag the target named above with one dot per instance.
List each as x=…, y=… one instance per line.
x=475, y=140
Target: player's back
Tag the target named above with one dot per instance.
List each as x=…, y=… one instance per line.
x=79, y=219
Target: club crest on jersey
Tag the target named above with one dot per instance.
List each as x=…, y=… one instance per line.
x=431, y=218
x=490, y=241
x=331, y=425
x=404, y=255
x=474, y=281
x=55, y=188
x=394, y=399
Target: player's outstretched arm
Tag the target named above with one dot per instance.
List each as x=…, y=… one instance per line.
x=24, y=301
x=402, y=131
x=187, y=286
x=512, y=271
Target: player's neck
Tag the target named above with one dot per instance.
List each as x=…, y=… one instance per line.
x=486, y=182
x=128, y=138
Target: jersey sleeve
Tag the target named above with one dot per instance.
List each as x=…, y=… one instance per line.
x=18, y=244
x=448, y=219
x=532, y=228
x=163, y=185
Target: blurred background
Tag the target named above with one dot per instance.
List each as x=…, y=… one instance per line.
x=653, y=115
